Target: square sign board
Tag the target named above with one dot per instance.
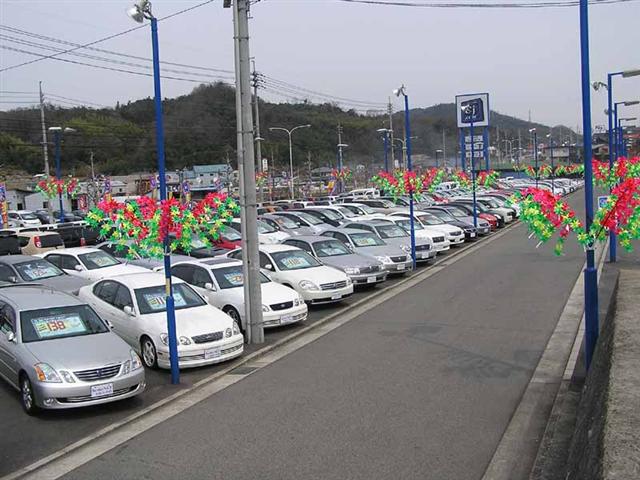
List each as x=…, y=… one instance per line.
x=474, y=108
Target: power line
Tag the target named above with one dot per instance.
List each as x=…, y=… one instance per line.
x=525, y=4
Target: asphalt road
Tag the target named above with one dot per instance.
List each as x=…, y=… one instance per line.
x=33, y=438
x=421, y=386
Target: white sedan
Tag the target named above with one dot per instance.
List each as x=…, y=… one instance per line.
x=295, y=268
x=90, y=263
x=454, y=234
x=136, y=307
x=438, y=237
x=221, y=281
x=266, y=233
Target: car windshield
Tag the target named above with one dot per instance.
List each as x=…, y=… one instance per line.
x=406, y=224
x=60, y=322
x=390, y=231
x=491, y=202
x=37, y=270
x=264, y=227
x=346, y=212
x=331, y=214
x=428, y=219
x=99, y=259
x=366, y=239
x=367, y=209
x=285, y=222
x=447, y=217
x=456, y=212
x=330, y=248
x=28, y=216
x=230, y=234
x=310, y=219
x=231, y=277
x=153, y=299
x=294, y=260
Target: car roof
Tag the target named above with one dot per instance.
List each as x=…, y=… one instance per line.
x=217, y=262
x=353, y=204
x=142, y=280
x=347, y=230
x=275, y=248
x=309, y=238
x=79, y=250
x=36, y=233
x=34, y=296
x=373, y=223
x=13, y=259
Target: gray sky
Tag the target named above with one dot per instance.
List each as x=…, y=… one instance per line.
x=526, y=59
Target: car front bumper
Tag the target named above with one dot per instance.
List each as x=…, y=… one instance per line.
x=57, y=396
x=198, y=355
x=456, y=240
x=369, y=278
x=315, y=297
x=284, y=317
x=399, y=268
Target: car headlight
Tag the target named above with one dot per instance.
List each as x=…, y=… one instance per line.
x=67, y=377
x=227, y=333
x=236, y=329
x=164, y=338
x=135, y=361
x=405, y=248
x=308, y=285
x=349, y=282
x=185, y=341
x=126, y=367
x=265, y=308
x=386, y=260
x=352, y=271
x=46, y=373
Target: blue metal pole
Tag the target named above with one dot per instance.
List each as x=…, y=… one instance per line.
x=171, y=314
x=485, y=148
x=553, y=175
x=386, y=151
x=616, y=144
x=58, y=140
x=473, y=175
x=590, y=273
x=463, y=153
x=613, y=244
x=535, y=154
x=410, y=168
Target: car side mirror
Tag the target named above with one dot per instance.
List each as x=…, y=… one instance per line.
x=128, y=309
x=11, y=337
x=78, y=268
x=13, y=279
x=268, y=266
x=209, y=286
x=109, y=324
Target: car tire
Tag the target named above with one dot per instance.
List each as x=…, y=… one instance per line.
x=27, y=396
x=233, y=313
x=149, y=353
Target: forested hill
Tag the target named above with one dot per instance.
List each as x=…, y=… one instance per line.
x=200, y=129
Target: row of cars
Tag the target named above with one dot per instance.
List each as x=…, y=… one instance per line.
x=79, y=325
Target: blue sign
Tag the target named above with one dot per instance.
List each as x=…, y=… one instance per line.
x=602, y=201
x=473, y=111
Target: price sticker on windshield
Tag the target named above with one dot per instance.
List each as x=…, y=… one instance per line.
x=295, y=262
x=60, y=325
x=234, y=278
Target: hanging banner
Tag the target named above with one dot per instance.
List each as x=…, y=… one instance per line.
x=4, y=208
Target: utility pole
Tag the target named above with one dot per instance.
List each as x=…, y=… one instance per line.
x=393, y=152
x=340, y=145
x=45, y=146
x=444, y=150
x=246, y=167
x=258, y=138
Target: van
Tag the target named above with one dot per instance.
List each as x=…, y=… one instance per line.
x=365, y=193
x=33, y=243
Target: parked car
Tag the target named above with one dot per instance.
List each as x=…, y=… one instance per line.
x=230, y=238
x=481, y=211
x=77, y=234
x=507, y=215
x=470, y=232
x=27, y=269
x=287, y=225
x=266, y=233
x=362, y=270
x=128, y=256
x=90, y=263
x=66, y=217
x=23, y=218
x=395, y=260
x=35, y=242
x=325, y=215
x=60, y=354
x=199, y=249
x=221, y=281
x=364, y=212
x=463, y=215
x=305, y=220
x=392, y=234
x=295, y=268
x=437, y=237
x=9, y=243
x=455, y=235
x=44, y=217
x=136, y=306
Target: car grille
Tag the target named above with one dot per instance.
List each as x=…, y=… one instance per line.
x=281, y=306
x=200, y=356
x=456, y=234
x=438, y=239
x=333, y=286
x=89, y=398
x=207, y=337
x=96, y=374
x=420, y=248
x=371, y=269
x=398, y=259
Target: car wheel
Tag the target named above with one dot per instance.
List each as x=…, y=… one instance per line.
x=233, y=313
x=149, y=353
x=27, y=396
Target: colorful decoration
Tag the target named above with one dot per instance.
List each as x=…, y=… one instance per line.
x=141, y=226
x=52, y=187
x=462, y=178
x=261, y=179
x=404, y=182
x=389, y=183
x=432, y=178
x=487, y=178
x=342, y=175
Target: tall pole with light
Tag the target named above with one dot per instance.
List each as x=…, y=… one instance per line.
x=386, y=132
x=290, y=133
x=590, y=273
x=437, y=164
x=57, y=139
x=139, y=12
x=553, y=175
x=341, y=146
x=468, y=110
x=623, y=146
x=535, y=151
x=407, y=127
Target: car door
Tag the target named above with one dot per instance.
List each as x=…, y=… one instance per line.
x=8, y=355
x=103, y=299
x=7, y=274
x=129, y=327
x=265, y=260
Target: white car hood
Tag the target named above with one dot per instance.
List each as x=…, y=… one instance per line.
x=317, y=275
x=108, y=272
x=447, y=228
x=192, y=321
x=273, y=292
x=272, y=238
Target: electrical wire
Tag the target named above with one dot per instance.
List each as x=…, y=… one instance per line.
x=501, y=5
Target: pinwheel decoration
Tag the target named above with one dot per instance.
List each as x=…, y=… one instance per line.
x=52, y=187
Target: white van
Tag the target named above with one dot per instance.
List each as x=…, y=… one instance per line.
x=365, y=193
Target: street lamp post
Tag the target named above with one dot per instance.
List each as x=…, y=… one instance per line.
x=139, y=12
x=535, y=151
x=553, y=185
x=407, y=148
x=290, y=133
x=57, y=138
x=386, y=132
x=623, y=147
x=437, y=164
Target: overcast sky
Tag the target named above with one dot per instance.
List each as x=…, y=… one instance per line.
x=526, y=59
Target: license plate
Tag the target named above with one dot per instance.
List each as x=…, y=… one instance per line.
x=101, y=390
x=472, y=235
x=371, y=279
x=212, y=352
x=401, y=267
x=286, y=319
x=336, y=297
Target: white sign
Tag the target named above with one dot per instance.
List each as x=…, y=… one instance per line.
x=265, y=164
x=476, y=154
x=478, y=138
x=472, y=108
x=476, y=147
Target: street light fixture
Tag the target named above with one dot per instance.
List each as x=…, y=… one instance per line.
x=290, y=133
x=140, y=11
x=386, y=132
x=437, y=152
x=535, y=151
x=630, y=73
